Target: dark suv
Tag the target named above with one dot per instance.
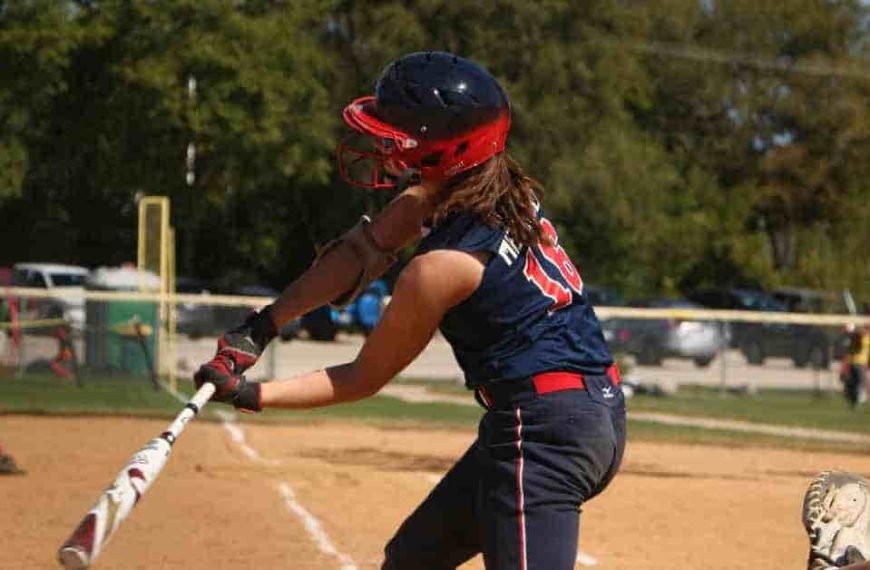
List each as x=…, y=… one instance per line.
x=820, y=302
x=804, y=344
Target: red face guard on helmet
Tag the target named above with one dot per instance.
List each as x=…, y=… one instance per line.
x=393, y=151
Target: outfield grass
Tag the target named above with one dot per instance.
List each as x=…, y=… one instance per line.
x=123, y=395
x=794, y=408
x=102, y=394
x=388, y=410
x=118, y=395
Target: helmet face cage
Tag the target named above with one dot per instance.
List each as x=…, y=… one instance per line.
x=371, y=156
x=436, y=156
x=366, y=168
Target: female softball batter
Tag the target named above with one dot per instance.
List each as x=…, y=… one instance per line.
x=491, y=275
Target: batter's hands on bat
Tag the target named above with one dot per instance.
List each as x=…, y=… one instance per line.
x=238, y=349
x=230, y=388
x=244, y=344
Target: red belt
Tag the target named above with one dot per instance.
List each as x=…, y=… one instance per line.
x=547, y=382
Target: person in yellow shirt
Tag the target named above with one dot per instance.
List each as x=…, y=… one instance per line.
x=855, y=365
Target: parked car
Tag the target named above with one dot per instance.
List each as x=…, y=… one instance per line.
x=819, y=340
x=603, y=297
x=319, y=323
x=199, y=319
x=798, y=300
x=322, y=324
x=123, y=278
x=8, y=310
x=53, y=276
x=652, y=340
x=362, y=315
x=227, y=317
x=366, y=310
x=804, y=344
x=195, y=319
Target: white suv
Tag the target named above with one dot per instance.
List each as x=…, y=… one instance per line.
x=69, y=278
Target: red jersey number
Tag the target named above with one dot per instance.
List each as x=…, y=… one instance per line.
x=553, y=253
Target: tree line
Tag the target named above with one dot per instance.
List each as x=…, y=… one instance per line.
x=681, y=142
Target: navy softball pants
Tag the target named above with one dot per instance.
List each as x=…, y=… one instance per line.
x=516, y=494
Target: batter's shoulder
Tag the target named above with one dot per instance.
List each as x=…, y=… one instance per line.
x=464, y=231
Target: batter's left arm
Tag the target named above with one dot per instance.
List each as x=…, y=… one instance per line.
x=429, y=286
x=345, y=267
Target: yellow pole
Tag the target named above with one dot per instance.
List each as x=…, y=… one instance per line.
x=172, y=328
x=140, y=250
x=156, y=209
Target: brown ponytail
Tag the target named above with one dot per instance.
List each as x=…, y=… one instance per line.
x=501, y=193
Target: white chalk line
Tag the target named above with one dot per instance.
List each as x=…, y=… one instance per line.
x=237, y=434
x=314, y=528
x=583, y=558
x=432, y=478
x=228, y=420
x=312, y=525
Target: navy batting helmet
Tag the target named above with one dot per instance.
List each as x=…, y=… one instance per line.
x=433, y=112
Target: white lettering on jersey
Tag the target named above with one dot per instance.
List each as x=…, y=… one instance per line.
x=508, y=250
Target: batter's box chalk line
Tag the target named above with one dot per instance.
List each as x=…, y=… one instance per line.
x=314, y=528
x=312, y=525
x=237, y=434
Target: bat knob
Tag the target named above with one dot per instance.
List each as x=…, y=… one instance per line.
x=73, y=558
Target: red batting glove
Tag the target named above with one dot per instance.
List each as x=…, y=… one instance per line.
x=229, y=388
x=243, y=345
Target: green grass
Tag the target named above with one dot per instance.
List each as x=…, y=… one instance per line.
x=100, y=394
x=120, y=395
x=649, y=431
x=794, y=408
x=387, y=410
x=438, y=386
x=126, y=395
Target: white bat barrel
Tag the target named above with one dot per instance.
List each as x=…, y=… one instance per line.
x=116, y=502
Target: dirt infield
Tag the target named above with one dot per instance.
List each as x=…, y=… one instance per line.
x=218, y=506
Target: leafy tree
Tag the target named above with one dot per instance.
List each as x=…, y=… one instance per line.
x=36, y=39
x=260, y=121
x=769, y=99
x=680, y=142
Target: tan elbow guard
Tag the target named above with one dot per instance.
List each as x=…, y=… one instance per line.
x=373, y=259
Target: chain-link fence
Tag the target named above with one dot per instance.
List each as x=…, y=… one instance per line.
x=74, y=335
x=733, y=350
x=123, y=334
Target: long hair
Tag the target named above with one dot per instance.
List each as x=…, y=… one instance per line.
x=501, y=193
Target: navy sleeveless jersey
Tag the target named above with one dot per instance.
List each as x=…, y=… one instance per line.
x=528, y=315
